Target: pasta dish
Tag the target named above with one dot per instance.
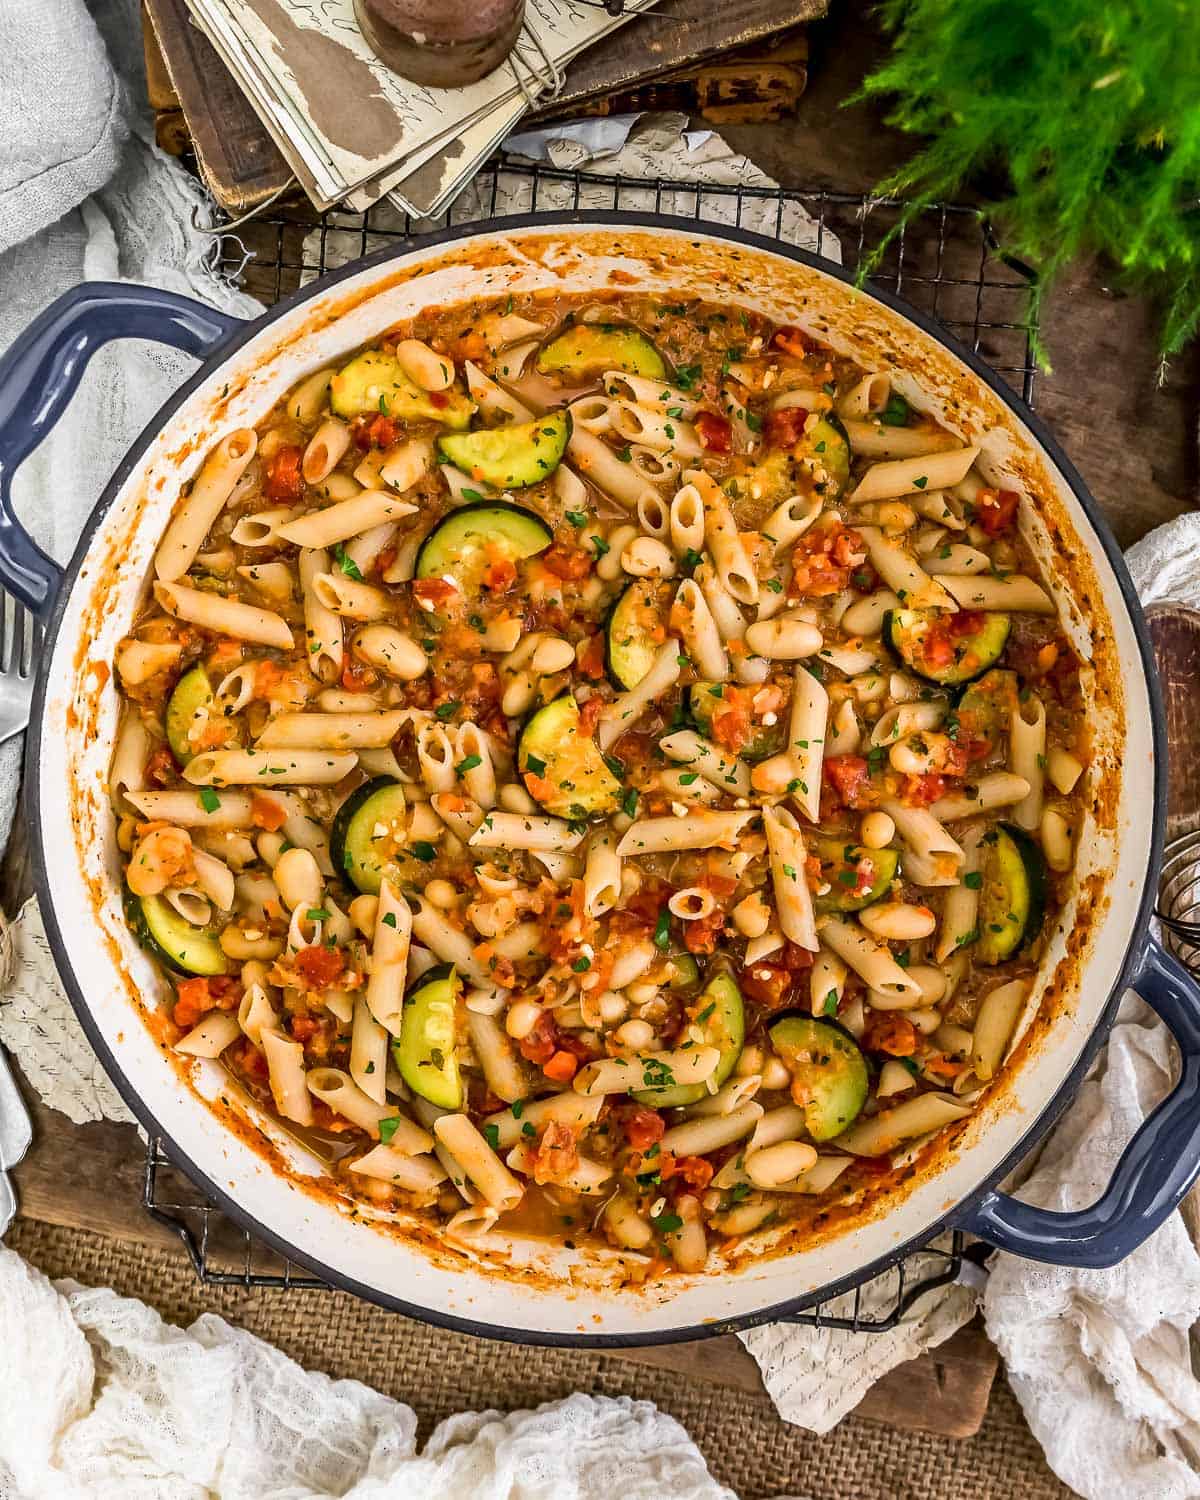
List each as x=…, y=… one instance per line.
x=603, y=769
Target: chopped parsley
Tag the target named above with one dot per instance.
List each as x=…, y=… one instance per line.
x=347, y=563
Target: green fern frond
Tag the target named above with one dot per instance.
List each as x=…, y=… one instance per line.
x=1091, y=111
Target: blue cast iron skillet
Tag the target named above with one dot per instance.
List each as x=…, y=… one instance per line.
x=39, y=374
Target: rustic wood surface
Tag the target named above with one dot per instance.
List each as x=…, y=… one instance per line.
x=1132, y=436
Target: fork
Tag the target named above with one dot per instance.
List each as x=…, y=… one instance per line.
x=20, y=646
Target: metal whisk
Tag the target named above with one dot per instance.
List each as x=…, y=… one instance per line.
x=1179, y=897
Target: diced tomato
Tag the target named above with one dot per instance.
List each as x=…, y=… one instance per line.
x=922, y=791
x=730, y=720
x=850, y=778
x=376, y=432
x=556, y=1154
x=642, y=1126
x=792, y=956
x=320, y=967
x=561, y=1067
x=702, y=935
x=284, y=479
x=941, y=1066
x=266, y=813
x=785, y=428
x=965, y=622
x=790, y=340
x=470, y=345
x=193, y=1001
x=224, y=653
x=891, y=1033
x=356, y=675
x=225, y=991
x=568, y=563
x=542, y=1042
x=434, y=592
x=589, y=715
x=304, y=1028
x=696, y=1171
x=161, y=769
x=438, y=399
x=500, y=574
x=591, y=659
x=823, y=558
x=251, y=1061
x=384, y=560
x=996, y=510
x=768, y=984
x=540, y=788
x=715, y=433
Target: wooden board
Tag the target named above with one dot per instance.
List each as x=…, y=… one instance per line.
x=90, y=1177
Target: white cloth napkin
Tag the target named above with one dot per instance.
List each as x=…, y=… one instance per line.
x=104, y=1399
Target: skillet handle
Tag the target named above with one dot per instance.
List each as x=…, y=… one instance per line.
x=1155, y=1172
x=40, y=372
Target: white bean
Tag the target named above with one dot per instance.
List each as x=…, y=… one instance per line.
x=647, y=557
x=898, y=921
x=522, y=1018
x=877, y=830
x=298, y=879
x=553, y=654
x=779, y=1163
x=783, y=639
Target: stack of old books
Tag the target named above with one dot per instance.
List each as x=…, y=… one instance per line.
x=275, y=95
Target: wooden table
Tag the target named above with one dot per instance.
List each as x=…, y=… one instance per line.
x=1130, y=434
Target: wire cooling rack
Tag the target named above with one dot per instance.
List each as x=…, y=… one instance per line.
x=946, y=263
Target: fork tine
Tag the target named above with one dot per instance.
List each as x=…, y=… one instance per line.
x=18, y=655
x=4, y=608
x=34, y=636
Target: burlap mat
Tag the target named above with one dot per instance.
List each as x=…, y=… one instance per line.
x=746, y=1444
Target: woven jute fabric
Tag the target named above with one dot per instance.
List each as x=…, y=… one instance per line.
x=747, y=1445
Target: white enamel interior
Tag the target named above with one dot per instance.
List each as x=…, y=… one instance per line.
x=78, y=835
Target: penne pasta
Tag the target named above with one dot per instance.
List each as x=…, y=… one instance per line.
x=904, y=476
x=244, y=622
x=204, y=502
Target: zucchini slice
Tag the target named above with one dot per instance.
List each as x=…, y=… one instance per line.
x=565, y=766
x=840, y=870
x=687, y=972
x=424, y=1052
x=474, y=537
x=175, y=943
x=985, y=710
x=587, y=349
x=721, y=1016
x=927, y=642
x=767, y=739
x=635, y=631
x=188, y=708
x=374, y=382
x=510, y=458
x=827, y=448
x=369, y=833
x=829, y=1073
x=1012, y=897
